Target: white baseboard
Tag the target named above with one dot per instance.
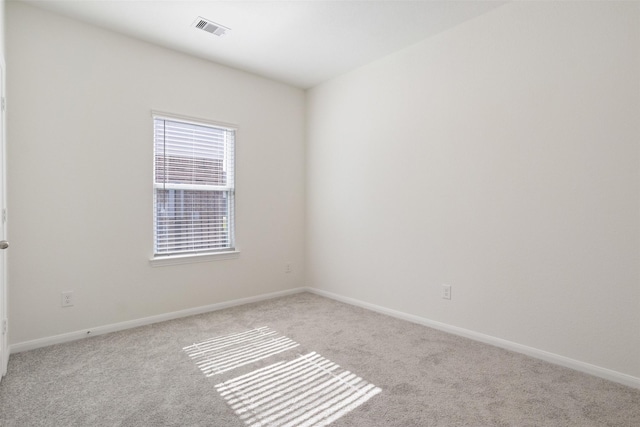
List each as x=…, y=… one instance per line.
x=100, y=330
x=577, y=365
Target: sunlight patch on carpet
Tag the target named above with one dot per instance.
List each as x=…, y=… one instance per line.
x=307, y=391
x=222, y=354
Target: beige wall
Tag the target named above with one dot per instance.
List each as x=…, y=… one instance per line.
x=80, y=176
x=500, y=157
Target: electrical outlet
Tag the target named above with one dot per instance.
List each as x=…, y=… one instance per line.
x=67, y=299
x=287, y=268
x=446, y=291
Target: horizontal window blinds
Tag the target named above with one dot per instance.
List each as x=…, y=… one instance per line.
x=193, y=187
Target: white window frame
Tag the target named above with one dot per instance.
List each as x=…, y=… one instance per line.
x=162, y=259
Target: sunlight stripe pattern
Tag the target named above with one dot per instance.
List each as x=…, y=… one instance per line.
x=307, y=391
x=222, y=354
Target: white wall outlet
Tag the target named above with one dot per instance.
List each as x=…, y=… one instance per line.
x=446, y=291
x=287, y=268
x=67, y=299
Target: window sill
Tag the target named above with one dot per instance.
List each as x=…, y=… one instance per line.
x=192, y=258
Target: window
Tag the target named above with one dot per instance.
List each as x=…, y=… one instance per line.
x=193, y=187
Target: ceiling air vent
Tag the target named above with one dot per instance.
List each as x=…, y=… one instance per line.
x=210, y=27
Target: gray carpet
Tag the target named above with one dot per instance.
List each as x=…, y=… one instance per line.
x=143, y=377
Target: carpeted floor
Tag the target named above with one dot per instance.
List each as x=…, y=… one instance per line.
x=414, y=376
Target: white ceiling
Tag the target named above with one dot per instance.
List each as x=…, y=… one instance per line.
x=302, y=43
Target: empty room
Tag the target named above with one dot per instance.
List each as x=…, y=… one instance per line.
x=311, y=213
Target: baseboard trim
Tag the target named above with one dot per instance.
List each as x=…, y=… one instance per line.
x=101, y=330
x=577, y=365
x=557, y=359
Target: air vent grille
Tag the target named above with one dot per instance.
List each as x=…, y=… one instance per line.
x=210, y=27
